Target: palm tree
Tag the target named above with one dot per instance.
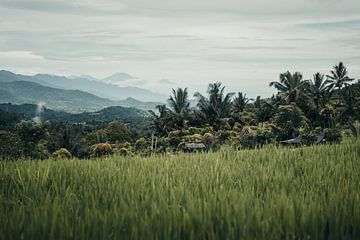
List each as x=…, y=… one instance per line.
x=217, y=105
x=338, y=77
x=240, y=102
x=179, y=102
x=162, y=120
x=291, y=86
x=257, y=102
x=319, y=90
x=179, y=105
x=349, y=108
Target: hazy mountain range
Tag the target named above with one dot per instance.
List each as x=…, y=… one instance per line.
x=101, y=88
x=32, y=111
x=74, y=94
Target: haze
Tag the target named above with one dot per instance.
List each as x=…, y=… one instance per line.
x=166, y=44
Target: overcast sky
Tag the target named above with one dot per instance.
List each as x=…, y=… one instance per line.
x=181, y=43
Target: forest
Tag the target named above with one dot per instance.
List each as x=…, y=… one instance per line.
x=328, y=104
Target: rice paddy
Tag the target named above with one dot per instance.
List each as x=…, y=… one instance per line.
x=270, y=193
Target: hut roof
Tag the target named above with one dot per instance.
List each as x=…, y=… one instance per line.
x=195, y=145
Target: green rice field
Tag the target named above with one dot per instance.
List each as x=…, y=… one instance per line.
x=270, y=193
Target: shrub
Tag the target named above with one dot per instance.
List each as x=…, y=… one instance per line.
x=289, y=119
x=175, y=137
x=62, y=153
x=223, y=136
x=124, y=152
x=125, y=145
x=141, y=144
x=101, y=149
x=308, y=138
x=210, y=141
x=332, y=135
x=181, y=146
x=117, y=131
x=253, y=136
x=193, y=138
x=9, y=145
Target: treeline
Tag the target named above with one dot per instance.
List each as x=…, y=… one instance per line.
x=326, y=104
x=323, y=105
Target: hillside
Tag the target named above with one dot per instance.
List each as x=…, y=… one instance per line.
x=68, y=100
x=101, y=89
x=30, y=111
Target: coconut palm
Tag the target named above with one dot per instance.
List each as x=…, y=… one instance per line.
x=217, y=105
x=290, y=87
x=179, y=105
x=338, y=77
x=240, y=102
x=319, y=90
x=179, y=102
x=162, y=119
x=257, y=102
x=349, y=108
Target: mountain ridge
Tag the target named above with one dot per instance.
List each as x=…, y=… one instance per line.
x=99, y=88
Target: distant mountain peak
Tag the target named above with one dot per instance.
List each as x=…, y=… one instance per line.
x=83, y=76
x=118, y=77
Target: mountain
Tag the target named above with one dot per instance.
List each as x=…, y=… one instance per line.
x=6, y=76
x=83, y=76
x=132, y=102
x=118, y=77
x=58, y=99
x=31, y=111
x=90, y=95
x=101, y=89
x=6, y=96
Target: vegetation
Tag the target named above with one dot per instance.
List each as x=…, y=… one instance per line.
x=326, y=106
x=269, y=193
x=139, y=186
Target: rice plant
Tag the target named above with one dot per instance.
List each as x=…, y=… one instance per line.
x=269, y=193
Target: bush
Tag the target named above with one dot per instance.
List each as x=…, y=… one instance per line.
x=116, y=131
x=62, y=153
x=253, y=136
x=223, y=136
x=308, y=138
x=289, y=119
x=101, y=149
x=181, y=146
x=124, y=152
x=175, y=137
x=125, y=145
x=9, y=145
x=141, y=144
x=193, y=138
x=332, y=135
x=210, y=141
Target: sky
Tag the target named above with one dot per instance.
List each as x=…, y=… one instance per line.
x=166, y=44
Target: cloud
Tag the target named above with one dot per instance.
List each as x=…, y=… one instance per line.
x=334, y=25
x=166, y=81
x=24, y=55
x=42, y=5
x=206, y=40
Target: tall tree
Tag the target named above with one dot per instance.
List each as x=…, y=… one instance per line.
x=180, y=106
x=349, y=109
x=290, y=86
x=319, y=90
x=338, y=77
x=162, y=119
x=240, y=102
x=218, y=105
x=238, y=105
